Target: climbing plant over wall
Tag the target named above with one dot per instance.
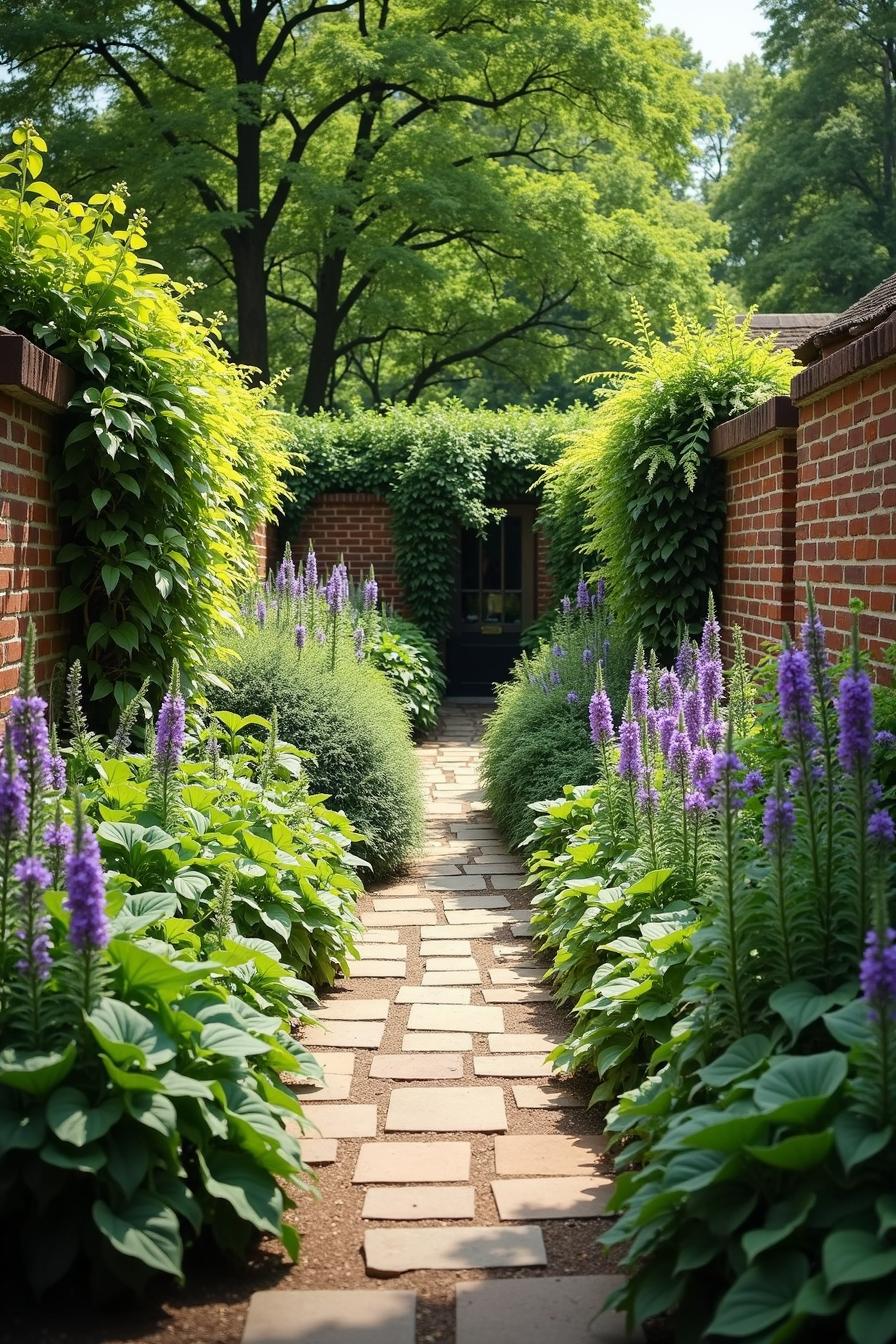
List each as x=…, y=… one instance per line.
x=171, y=459
x=441, y=469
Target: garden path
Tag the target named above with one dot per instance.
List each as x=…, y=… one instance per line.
x=461, y=1185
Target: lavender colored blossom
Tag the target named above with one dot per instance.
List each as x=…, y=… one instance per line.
x=13, y=805
x=652, y=719
x=678, y=757
x=311, y=570
x=297, y=588
x=714, y=731
x=170, y=731
x=885, y=739
x=28, y=733
x=795, y=696
x=880, y=827
x=723, y=787
x=86, y=889
x=692, y=707
x=877, y=973
x=876, y=791
x=648, y=798
x=558, y=651
x=57, y=835
x=301, y=637
x=33, y=935
x=631, y=762
x=554, y=677
x=812, y=636
x=701, y=769
x=778, y=820
x=752, y=782
x=583, y=596
x=600, y=718
x=670, y=691
x=358, y=638
x=710, y=681
x=572, y=697
x=337, y=590
x=261, y=611
x=57, y=772
x=371, y=593
x=855, y=715
x=600, y=595
x=565, y=605
x=587, y=656
x=684, y=662
x=696, y=801
x=667, y=723
x=639, y=690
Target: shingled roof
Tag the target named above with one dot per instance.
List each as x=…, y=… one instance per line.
x=867, y=312
x=789, y=329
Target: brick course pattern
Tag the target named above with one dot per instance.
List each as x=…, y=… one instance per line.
x=29, y=540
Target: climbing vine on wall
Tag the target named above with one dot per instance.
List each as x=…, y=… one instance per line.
x=441, y=469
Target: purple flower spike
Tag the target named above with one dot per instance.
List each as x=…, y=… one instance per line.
x=600, y=718
x=572, y=697
x=587, y=656
x=301, y=637
x=558, y=651
x=86, y=887
x=311, y=570
x=565, y=606
x=795, y=696
x=57, y=773
x=601, y=595
x=371, y=594
x=170, y=732
x=638, y=689
x=684, y=662
x=33, y=935
x=28, y=733
x=855, y=713
x=667, y=724
x=877, y=973
x=714, y=731
x=680, y=751
x=359, y=637
x=692, y=707
x=554, y=677
x=670, y=691
x=778, y=821
x=13, y=806
x=631, y=762
x=881, y=830
x=583, y=596
x=261, y=612
x=57, y=835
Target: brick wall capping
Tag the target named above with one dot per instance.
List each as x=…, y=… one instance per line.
x=746, y=430
x=32, y=374
x=877, y=346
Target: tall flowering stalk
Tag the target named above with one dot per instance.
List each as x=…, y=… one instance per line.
x=796, y=706
x=678, y=763
x=169, y=743
x=855, y=716
x=630, y=766
x=85, y=900
x=877, y=974
x=728, y=801
x=813, y=639
x=13, y=820
x=600, y=719
x=778, y=826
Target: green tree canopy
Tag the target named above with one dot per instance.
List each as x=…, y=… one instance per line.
x=809, y=197
x=393, y=195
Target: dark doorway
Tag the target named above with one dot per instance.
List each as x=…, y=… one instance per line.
x=495, y=602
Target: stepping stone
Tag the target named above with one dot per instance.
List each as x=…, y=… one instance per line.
x=389, y=1251
x=410, y=1202
x=512, y=952
x=382, y=951
x=416, y=1068
x=521, y=930
x=447, y=1017
x=340, y=1316
x=346, y=1035
x=436, y=1040
x=378, y=970
x=398, y=918
x=334, y=1063
x=517, y=994
x=535, y=1098
x=405, y=1163
x=402, y=903
x=451, y=978
x=465, y=882
x=522, y=1043
x=317, y=1152
x=353, y=1010
x=342, y=1122
x=378, y=936
x=547, y=1154
x=431, y=994
x=493, y=865
x=445, y=1110
x=530, y=1311
x=466, y=930
x=513, y=975
x=552, y=1197
x=511, y=1066
x=508, y=882
x=488, y=921
x=447, y=947
x=451, y=964
x=336, y=1089
x=400, y=889
x=484, y=900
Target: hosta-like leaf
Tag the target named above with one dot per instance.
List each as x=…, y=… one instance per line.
x=78, y=1121
x=145, y=1229
x=761, y=1297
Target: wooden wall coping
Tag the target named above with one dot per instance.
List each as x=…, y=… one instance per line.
x=32, y=374
x=877, y=346
x=773, y=417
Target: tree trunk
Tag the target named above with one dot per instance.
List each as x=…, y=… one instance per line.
x=248, y=242
x=322, y=354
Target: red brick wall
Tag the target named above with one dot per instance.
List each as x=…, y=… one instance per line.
x=846, y=506
x=545, y=597
x=29, y=539
x=357, y=527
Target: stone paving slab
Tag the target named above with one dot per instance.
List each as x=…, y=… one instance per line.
x=378, y=936
x=514, y=975
x=466, y=882
x=547, y=1154
x=353, y=1009
x=446, y=947
x=448, y=1017
x=445, y=1110
x=436, y=1040
x=476, y=900
x=416, y=1068
x=520, y=930
x=531, y=1097
x=488, y=921
x=465, y=930
x=402, y=903
x=552, y=1197
x=432, y=994
x=318, y=1152
x=534, y=1311
x=382, y=951
x=342, y=1122
x=378, y=970
x=512, y=952
x=449, y=963
x=389, y=1251
x=345, y=1035
x=336, y=1089
x=492, y=865
x=511, y=1066
x=507, y=882
x=406, y=1163
x=435, y=978
x=398, y=919
x=335, y=1062
x=399, y=889
x=522, y=1043
x=339, y=1316
x=517, y=994
x=411, y=1202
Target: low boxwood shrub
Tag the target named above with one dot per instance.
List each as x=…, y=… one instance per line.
x=537, y=740
x=346, y=715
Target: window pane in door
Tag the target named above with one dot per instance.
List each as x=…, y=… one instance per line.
x=469, y=605
x=513, y=608
x=513, y=553
x=491, y=558
x=492, y=608
x=469, y=560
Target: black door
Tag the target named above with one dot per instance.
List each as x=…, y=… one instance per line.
x=494, y=603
